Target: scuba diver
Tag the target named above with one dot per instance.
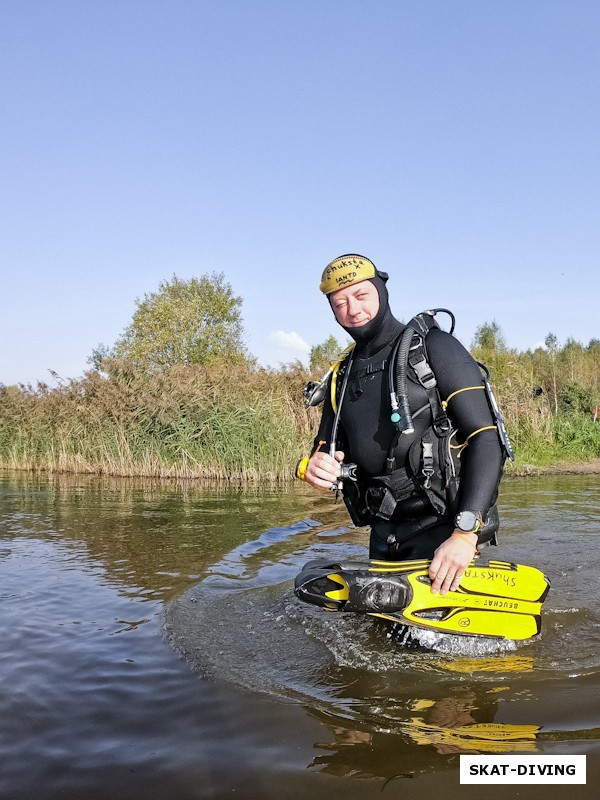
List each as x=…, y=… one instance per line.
x=410, y=430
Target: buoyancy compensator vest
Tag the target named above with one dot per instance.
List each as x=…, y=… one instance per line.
x=427, y=480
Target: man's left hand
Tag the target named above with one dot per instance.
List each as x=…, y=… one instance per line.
x=450, y=561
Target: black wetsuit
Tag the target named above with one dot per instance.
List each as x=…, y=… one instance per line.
x=366, y=432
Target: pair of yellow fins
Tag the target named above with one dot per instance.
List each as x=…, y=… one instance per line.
x=497, y=599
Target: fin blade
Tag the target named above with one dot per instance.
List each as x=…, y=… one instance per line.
x=424, y=600
x=472, y=614
x=473, y=622
x=505, y=579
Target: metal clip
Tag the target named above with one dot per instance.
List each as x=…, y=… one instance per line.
x=427, y=470
x=428, y=473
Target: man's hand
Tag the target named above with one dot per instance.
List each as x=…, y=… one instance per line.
x=450, y=561
x=323, y=471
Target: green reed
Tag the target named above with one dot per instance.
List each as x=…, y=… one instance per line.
x=218, y=422
x=236, y=422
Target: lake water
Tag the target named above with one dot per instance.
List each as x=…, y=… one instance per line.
x=153, y=648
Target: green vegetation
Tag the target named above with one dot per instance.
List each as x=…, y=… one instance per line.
x=184, y=322
x=323, y=355
x=548, y=398
x=222, y=421
x=189, y=402
x=237, y=422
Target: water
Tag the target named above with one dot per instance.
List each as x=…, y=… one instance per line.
x=153, y=648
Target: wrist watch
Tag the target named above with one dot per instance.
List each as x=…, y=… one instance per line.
x=467, y=521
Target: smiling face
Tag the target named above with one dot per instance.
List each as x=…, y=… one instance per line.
x=356, y=305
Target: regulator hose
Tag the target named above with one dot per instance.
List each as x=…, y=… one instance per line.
x=404, y=421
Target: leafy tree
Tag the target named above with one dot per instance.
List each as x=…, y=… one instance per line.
x=489, y=336
x=572, y=360
x=552, y=348
x=324, y=354
x=593, y=350
x=98, y=355
x=185, y=322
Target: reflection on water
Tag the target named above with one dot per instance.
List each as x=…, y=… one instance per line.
x=448, y=724
x=104, y=584
x=476, y=695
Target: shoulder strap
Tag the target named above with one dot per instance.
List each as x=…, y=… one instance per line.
x=419, y=361
x=411, y=350
x=341, y=364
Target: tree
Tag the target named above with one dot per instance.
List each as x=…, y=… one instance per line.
x=489, y=336
x=185, y=322
x=98, y=355
x=552, y=348
x=593, y=350
x=572, y=359
x=324, y=354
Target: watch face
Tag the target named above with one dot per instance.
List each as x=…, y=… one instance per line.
x=467, y=521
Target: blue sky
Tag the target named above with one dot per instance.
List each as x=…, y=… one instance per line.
x=454, y=142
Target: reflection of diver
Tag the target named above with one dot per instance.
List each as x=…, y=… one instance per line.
x=451, y=726
x=458, y=723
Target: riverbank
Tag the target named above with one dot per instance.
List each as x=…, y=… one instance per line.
x=591, y=467
x=236, y=424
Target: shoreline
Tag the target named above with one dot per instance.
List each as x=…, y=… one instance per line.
x=591, y=467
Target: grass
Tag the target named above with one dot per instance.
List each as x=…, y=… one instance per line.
x=218, y=423
x=230, y=423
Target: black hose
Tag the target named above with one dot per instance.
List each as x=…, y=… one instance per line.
x=405, y=423
x=336, y=420
x=395, y=416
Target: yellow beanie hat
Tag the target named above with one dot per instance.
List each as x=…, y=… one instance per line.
x=345, y=271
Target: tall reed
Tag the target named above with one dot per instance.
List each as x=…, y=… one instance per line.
x=222, y=422
x=243, y=424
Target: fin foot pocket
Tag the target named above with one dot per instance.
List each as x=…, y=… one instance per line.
x=358, y=590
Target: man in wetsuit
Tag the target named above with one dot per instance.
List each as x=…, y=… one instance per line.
x=411, y=527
